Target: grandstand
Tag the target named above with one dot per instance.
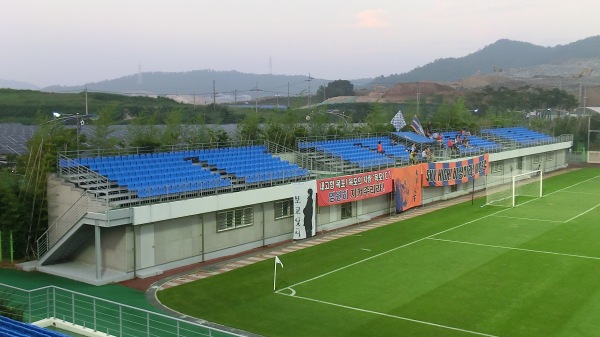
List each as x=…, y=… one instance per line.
x=12, y=328
x=118, y=216
x=154, y=175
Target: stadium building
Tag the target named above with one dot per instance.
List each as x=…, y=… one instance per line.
x=119, y=216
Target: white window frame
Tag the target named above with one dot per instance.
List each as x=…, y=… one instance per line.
x=235, y=218
x=284, y=208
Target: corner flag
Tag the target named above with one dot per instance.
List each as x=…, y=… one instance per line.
x=416, y=125
x=278, y=262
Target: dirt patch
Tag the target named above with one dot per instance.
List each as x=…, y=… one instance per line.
x=403, y=92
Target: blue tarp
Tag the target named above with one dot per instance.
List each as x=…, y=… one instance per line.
x=413, y=137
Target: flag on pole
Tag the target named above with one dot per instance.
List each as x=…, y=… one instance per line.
x=416, y=125
x=398, y=121
x=278, y=262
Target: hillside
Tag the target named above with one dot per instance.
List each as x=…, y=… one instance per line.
x=203, y=83
x=499, y=56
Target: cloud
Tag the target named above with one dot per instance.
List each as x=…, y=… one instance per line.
x=371, y=18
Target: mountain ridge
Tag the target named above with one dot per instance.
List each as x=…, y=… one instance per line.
x=502, y=55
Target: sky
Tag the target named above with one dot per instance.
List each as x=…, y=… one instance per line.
x=74, y=42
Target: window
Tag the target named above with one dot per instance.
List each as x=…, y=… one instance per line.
x=537, y=159
x=549, y=157
x=234, y=218
x=346, y=210
x=497, y=167
x=284, y=208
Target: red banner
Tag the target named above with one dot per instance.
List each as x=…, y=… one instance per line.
x=455, y=172
x=407, y=187
x=339, y=190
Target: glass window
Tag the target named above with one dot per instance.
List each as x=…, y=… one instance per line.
x=346, y=210
x=284, y=208
x=234, y=218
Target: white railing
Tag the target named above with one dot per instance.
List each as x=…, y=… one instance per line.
x=98, y=314
x=63, y=224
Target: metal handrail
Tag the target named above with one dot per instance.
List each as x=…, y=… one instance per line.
x=102, y=315
x=62, y=224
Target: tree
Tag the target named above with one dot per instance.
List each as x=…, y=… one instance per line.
x=249, y=128
x=143, y=132
x=377, y=120
x=173, y=130
x=101, y=132
x=453, y=116
x=335, y=88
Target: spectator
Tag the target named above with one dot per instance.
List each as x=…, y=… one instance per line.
x=380, y=148
x=413, y=157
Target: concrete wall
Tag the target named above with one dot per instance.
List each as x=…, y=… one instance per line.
x=117, y=249
x=60, y=197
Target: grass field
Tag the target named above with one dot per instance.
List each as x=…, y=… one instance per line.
x=532, y=270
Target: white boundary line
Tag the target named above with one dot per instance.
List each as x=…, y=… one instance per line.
x=580, y=214
x=519, y=249
x=586, y=193
x=393, y=316
x=293, y=291
x=529, y=219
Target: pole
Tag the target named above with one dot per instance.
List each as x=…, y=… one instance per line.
x=587, y=160
x=274, y=274
x=473, y=193
x=86, y=101
x=12, y=251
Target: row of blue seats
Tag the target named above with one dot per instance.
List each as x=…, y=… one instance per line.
x=261, y=177
x=171, y=155
x=144, y=171
x=128, y=180
x=150, y=165
x=163, y=188
x=12, y=328
x=517, y=133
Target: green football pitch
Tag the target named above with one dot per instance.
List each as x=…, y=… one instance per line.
x=531, y=270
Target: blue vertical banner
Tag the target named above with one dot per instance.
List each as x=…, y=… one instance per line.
x=416, y=125
x=305, y=209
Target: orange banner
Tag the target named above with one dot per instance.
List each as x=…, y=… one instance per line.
x=407, y=187
x=455, y=172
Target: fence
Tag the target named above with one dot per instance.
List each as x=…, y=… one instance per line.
x=98, y=314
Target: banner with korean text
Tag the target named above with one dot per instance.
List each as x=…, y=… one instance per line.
x=305, y=209
x=408, y=187
x=455, y=172
x=339, y=190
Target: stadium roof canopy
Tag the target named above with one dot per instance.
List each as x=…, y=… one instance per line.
x=594, y=108
x=413, y=137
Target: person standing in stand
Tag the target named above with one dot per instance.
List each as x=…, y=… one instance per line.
x=380, y=148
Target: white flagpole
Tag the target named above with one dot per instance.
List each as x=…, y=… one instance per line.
x=275, y=274
x=277, y=261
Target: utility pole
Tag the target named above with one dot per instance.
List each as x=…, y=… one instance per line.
x=418, y=96
x=86, y=101
x=256, y=97
x=309, y=80
x=288, y=95
x=214, y=96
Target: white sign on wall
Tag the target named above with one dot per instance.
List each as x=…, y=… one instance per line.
x=305, y=208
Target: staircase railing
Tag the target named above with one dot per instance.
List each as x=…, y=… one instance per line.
x=63, y=224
